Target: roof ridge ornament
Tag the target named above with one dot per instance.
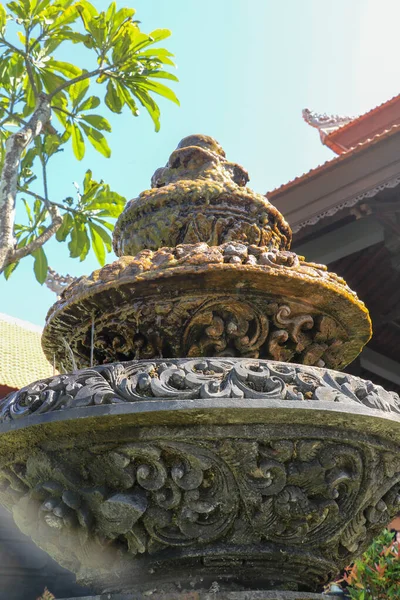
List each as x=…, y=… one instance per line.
x=325, y=123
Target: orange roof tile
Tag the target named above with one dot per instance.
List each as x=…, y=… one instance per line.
x=363, y=116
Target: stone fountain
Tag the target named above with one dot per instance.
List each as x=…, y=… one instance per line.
x=213, y=449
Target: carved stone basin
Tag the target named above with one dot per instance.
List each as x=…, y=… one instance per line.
x=177, y=472
x=154, y=474
x=225, y=283
x=194, y=300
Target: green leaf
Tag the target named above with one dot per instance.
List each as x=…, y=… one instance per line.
x=52, y=143
x=65, y=68
x=37, y=205
x=68, y=15
x=160, y=34
x=163, y=75
x=51, y=82
x=40, y=265
x=18, y=9
x=29, y=98
x=97, y=139
x=3, y=21
x=129, y=100
x=103, y=234
x=74, y=37
x=89, y=103
x=78, y=144
x=28, y=211
x=78, y=90
x=109, y=226
x=157, y=88
x=152, y=108
x=160, y=54
x=112, y=98
x=120, y=17
x=86, y=245
x=10, y=269
x=38, y=7
x=66, y=226
x=93, y=22
x=60, y=102
x=97, y=244
x=80, y=244
x=106, y=209
x=97, y=121
x=87, y=181
x=21, y=37
x=110, y=14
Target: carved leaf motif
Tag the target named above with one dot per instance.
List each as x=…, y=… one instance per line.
x=276, y=346
x=293, y=324
x=196, y=378
x=226, y=328
x=255, y=381
x=122, y=511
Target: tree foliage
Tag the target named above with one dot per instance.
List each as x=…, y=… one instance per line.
x=48, y=105
x=376, y=575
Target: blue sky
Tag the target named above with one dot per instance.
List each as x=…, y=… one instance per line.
x=247, y=68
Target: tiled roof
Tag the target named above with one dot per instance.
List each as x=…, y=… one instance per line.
x=333, y=161
x=21, y=356
x=366, y=115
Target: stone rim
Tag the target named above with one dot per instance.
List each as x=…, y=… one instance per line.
x=272, y=283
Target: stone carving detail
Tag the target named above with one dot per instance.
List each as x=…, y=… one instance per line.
x=213, y=241
x=129, y=495
x=203, y=325
x=141, y=497
x=199, y=254
x=199, y=197
x=189, y=379
x=226, y=329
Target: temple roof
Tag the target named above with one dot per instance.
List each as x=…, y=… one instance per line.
x=359, y=147
x=343, y=134
x=21, y=357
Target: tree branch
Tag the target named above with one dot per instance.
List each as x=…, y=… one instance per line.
x=45, y=187
x=86, y=75
x=11, y=115
x=13, y=48
x=15, y=146
x=56, y=221
x=50, y=202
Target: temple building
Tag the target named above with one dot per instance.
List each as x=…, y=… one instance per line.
x=345, y=213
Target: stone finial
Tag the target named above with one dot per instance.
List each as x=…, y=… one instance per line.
x=199, y=196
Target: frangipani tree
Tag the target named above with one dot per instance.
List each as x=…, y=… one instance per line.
x=47, y=104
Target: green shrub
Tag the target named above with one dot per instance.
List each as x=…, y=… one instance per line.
x=46, y=595
x=376, y=575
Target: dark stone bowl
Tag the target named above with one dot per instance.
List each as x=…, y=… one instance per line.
x=181, y=474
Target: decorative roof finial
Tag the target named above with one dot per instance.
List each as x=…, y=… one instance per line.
x=325, y=123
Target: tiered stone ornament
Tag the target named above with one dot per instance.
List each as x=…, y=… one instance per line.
x=218, y=454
